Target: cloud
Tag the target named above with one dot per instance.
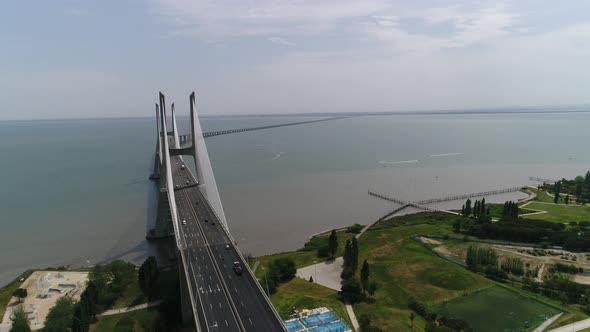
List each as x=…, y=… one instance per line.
x=76, y=12
x=281, y=41
x=468, y=27
x=264, y=17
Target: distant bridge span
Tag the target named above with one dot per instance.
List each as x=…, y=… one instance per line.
x=188, y=137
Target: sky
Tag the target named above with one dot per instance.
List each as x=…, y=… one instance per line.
x=109, y=58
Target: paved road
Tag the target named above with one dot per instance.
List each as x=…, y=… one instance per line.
x=130, y=308
x=231, y=302
x=573, y=327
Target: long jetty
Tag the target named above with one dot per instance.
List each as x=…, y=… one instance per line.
x=445, y=199
x=187, y=138
x=462, y=196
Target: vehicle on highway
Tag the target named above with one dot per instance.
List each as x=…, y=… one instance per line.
x=238, y=268
x=188, y=181
x=184, y=223
x=182, y=166
x=227, y=247
x=206, y=220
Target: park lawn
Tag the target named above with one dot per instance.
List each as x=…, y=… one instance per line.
x=6, y=291
x=403, y=269
x=497, y=309
x=143, y=320
x=542, y=196
x=302, y=294
x=559, y=212
x=132, y=295
x=304, y=256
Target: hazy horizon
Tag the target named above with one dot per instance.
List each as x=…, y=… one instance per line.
x=83, y=59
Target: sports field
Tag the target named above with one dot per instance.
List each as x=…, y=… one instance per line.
x=496, y=309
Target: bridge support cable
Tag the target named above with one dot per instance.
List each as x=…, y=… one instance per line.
x=175, y=138
x=172, y=201
x=205, y=176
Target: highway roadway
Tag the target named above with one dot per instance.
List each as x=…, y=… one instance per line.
x=229, y=302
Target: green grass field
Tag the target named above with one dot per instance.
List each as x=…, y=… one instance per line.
x=302, y=294
x=542, y=196
x=143, y=320
x=560, y=212
x=403, y=268
x=305, y=256
x=496, y=309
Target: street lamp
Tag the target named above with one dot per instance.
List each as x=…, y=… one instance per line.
x=315, y=268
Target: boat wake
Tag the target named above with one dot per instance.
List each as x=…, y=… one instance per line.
x=446, y=154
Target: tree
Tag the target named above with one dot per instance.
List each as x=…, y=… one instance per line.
x=282, y=269
x=556, y=198
x=463, y=211
x=351, y=291
x=364, y=322
x=412, y=316
x=467, y=207
x=148, y=275
x=482, y=206
x=566, y=200
x=333, y=243
x=354, y=254
x=457, y=225
x=60, y=316
x=476, y=209
x=365, y=275
x=372, y=287
x=20, y=322
x=310, y=279
x=21, y=293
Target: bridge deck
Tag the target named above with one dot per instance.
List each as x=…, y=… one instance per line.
x=231, y=302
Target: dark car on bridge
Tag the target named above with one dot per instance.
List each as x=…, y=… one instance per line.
x=238, y=268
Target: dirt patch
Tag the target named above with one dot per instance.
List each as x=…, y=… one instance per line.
x=429, y=241
x=582, y=279
x=44, y=288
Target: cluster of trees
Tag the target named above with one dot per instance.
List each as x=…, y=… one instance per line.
x=107, y=283
x=532, y=231
x=479, y=208
x=279, y=270
x=148, y=276
x=352, y=289
x=20, y=322
x=513, y=265
x=437, y=322
x=486, y=260
x=510, y=211
x=561, y=288
x=566, y=268
x=579, y=187
x=476, y=215
x=477, y=256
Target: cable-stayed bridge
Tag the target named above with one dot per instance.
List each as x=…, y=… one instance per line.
x=218, y=289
